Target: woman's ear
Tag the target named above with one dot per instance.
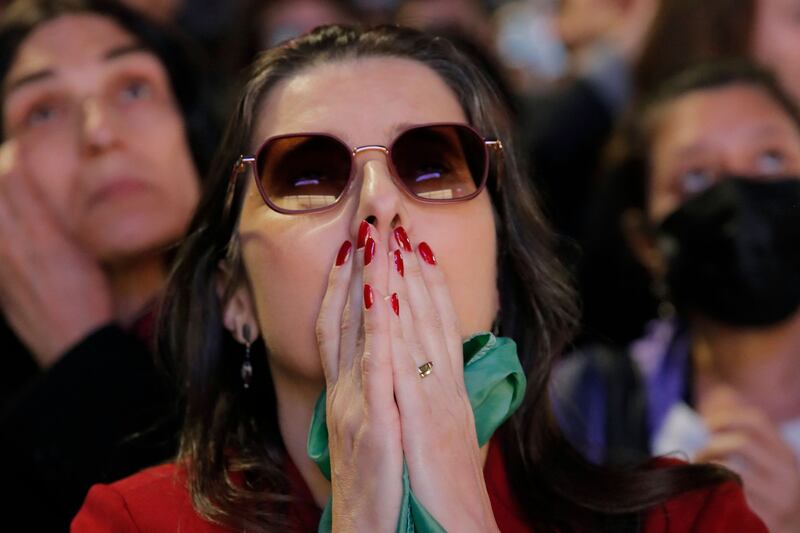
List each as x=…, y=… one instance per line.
x=238, y=310
x=641, y=240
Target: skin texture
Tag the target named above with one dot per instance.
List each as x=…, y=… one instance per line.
x=312, y=316
x=776, y=40
x=743, y=377
x=96, y=179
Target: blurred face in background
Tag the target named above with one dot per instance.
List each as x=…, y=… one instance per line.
x=776, y=40
x=705, y=135
x=279, y=21
x=101, y=136
x=579, y=23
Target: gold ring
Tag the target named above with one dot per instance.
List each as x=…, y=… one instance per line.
x=425, y=370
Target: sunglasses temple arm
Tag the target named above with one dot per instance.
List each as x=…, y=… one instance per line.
x=497, y=148
x=238, y=168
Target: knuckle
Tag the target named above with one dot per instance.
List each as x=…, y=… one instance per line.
x=372, y=327
x=433, y=319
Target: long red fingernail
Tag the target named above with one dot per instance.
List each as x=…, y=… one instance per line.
x=344, y=253
x=369, y=250
x=369, y=299
x=363, y=233
x=398, y=263
x=401, y=237
x=395, y=304
x=426, y=253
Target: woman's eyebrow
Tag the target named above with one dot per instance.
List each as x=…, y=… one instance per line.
x=28, y=79
x=47, y=73
x=124, y=50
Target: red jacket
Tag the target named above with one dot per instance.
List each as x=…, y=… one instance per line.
x=156, y=500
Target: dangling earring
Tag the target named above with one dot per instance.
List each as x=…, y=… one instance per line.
x=247, y=367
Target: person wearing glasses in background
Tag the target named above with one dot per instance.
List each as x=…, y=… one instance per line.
x=343, y=312
x=103, y=134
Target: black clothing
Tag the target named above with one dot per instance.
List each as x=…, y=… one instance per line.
x=102, y=412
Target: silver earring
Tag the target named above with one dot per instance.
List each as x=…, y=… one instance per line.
x=247, y=367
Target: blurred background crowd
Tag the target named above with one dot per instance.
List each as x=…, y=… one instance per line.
x=663, y=137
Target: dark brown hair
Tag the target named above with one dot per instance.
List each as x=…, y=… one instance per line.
x=686, y=33
x=228, y=429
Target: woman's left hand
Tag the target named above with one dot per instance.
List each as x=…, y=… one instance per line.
x=746, y=441
x=437, y=424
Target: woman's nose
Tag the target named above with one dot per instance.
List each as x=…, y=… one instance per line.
x=380, y=201
x=98, y=128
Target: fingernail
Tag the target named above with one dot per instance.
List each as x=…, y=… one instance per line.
x=363, y=233
x=369, y=250
x=368, y=297
x=426, y=253
x=401, y=237
x=395, y=304
x=344, y=253
x=398, y=263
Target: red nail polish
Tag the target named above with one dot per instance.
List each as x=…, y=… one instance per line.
x=395, y=304
x=363, y=233
x=369, y=250
x=426, y=253
x=344, y=253
x=398, y=263
x=369, y=299
x=401, y=237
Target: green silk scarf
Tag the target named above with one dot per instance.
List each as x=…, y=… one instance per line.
x=496, y=385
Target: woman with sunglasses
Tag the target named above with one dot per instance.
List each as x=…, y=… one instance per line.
x=331, y=311
x=103, y=131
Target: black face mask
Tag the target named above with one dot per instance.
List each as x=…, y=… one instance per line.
x=733, y=251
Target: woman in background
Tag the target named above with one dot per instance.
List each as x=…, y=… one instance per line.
x=713, y=176
x=103, y=135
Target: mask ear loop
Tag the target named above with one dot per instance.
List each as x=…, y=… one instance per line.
x=247, y=367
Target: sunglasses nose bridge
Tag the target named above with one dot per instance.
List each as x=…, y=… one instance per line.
x=373, y=148
x=369, y=147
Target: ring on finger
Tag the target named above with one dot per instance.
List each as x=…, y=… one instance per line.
x=425, y=369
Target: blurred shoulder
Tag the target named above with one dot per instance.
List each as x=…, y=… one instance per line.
x=153, y=500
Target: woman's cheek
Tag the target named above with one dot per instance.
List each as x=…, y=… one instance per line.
x=287, y=291
x=468, y=255
x=51, y=163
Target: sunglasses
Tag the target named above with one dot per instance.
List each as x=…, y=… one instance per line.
x=309, y=172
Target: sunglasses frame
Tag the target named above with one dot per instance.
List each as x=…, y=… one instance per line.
x=251, y=160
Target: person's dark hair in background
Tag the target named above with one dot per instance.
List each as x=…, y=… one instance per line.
x=73, y=399
x=709, y=207
x=709, y=31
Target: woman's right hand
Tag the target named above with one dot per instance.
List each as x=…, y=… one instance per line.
x=363, y=419
x=52, y=293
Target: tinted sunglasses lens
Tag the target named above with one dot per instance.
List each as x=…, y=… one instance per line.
x=440, y=162
x=303, y=172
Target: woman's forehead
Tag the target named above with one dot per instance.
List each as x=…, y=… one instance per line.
x=362, y=101
x=70, y=41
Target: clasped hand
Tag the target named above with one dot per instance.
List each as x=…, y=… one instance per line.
x=387, y=311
